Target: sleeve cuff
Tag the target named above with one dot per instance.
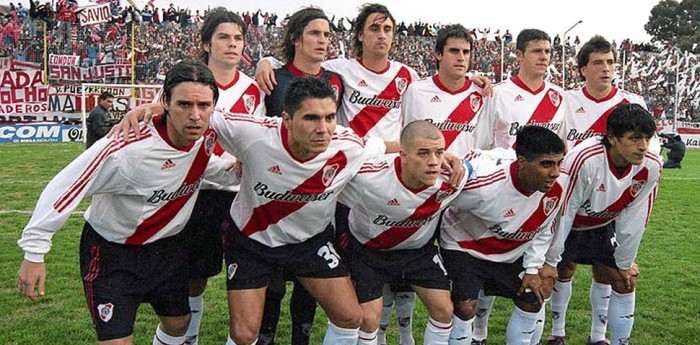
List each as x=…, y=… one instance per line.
x=34, y=257
x=531, y=270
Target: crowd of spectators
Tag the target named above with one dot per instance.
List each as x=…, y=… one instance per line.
x=163, y=36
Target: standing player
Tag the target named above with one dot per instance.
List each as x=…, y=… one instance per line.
x=448, y=99
x=143, y=192
x=303, y=48
x=395, y=206
x=525, y=99
x=222, y=37
x=612, y=187
x=589, y=108
x=495, y=234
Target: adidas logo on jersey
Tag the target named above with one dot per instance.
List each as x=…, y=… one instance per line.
x=601, y=188
x=580, y=110
x=519, y=98
x=394, y=202
x=275, y=170
x=167, y=164
x=509, y=214
x=362, y=83
x=435, y=99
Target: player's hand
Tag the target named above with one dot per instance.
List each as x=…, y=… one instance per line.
x=628, y=274
x=131, y=121
x=533, y=283
x=548, y=274
x=455, y=167
x=484, y=83
x=265, y=76
x=238, y=168
x=32, y=277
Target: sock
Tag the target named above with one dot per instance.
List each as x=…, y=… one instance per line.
x=437, y=333
x=560, y=303
x=539, y=325
x=163, y=339
x=302, y=306
x=388, y=301
x=197, y=307
x=367, y=338
x=405, y=301
x=229, y=341
x=521, y=327
x=276, y=289
x=600, y=298
x=340, y=336
x=621, y=317
x=483, y=310
x=461, y=333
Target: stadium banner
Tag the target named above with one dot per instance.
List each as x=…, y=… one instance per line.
x=94, y=73
x=66, y=60
x=40, y=132
x=689, y=131
x=96, y=14
x=23, y=92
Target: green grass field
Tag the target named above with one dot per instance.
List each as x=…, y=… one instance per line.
x=668, y=296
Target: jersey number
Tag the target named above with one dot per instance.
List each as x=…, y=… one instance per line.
x=329, y=254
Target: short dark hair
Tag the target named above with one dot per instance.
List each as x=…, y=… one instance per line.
x=306, y=88
x=535, y=141
x=418, y=129
x=187, y=71
x=106, y=94
x=450, y=31
x=212, y=20
x=365, y=11
x=597, y=44
x=629, y=117
x=529, y=35
x=295, y=30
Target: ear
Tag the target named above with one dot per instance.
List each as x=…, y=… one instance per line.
x=518, y=54
x=287, y=119
x=206, y=47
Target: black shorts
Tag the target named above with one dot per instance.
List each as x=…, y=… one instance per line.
x=117, y=278
x=469, y=275
x=203, y=234
x=588, y=247
x=250, y=264
x=371, y=269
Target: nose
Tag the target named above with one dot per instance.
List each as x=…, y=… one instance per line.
x=555, y=172
x=644, y=145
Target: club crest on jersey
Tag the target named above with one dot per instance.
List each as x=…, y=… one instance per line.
x=401, y=84
x=249, y=103
x=441, y=195
x=231, y=270
x=636, y=187
x=336, y=91
x=549, y=204
x=554, y=97
x=329, y=172
x=475, y=103
x=105, y=311
x=209, y=142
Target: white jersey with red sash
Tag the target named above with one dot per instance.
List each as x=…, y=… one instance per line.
x=388, y=215
x=493, y=219
x=587, y=116
x=283, y=200
x=598, y=194
x=514, y=105
x=371, y=103
x=142, y=191
x=454, y=113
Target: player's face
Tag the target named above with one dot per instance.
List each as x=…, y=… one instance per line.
x=541, y=173
x=226, y=45
x=313, y=44
x=599, y=71
x=535, y=59
x=628, y=149
x=377, y=35
x=311, y=127
x=454, y=59
x=189, y=109
x=420, y=162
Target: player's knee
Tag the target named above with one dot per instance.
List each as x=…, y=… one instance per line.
x=528, y=306
x=566, y=271
x=350, y=317
x=442, y=312
x=243, y=334
x=175, y=326
x=465, y=310
x=620, y=286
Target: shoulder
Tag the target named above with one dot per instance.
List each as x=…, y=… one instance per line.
x=584, y=154
x=346, y=136
x=487, y=176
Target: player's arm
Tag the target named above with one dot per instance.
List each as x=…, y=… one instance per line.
x=265, y=75
x=483, y=82
x=61, y=196
x=483, y=133
x=220, y=170
x=143, y=112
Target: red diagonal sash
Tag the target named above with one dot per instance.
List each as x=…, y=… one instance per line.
x=464, y=113
x=628, y=196
x=368, y=117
